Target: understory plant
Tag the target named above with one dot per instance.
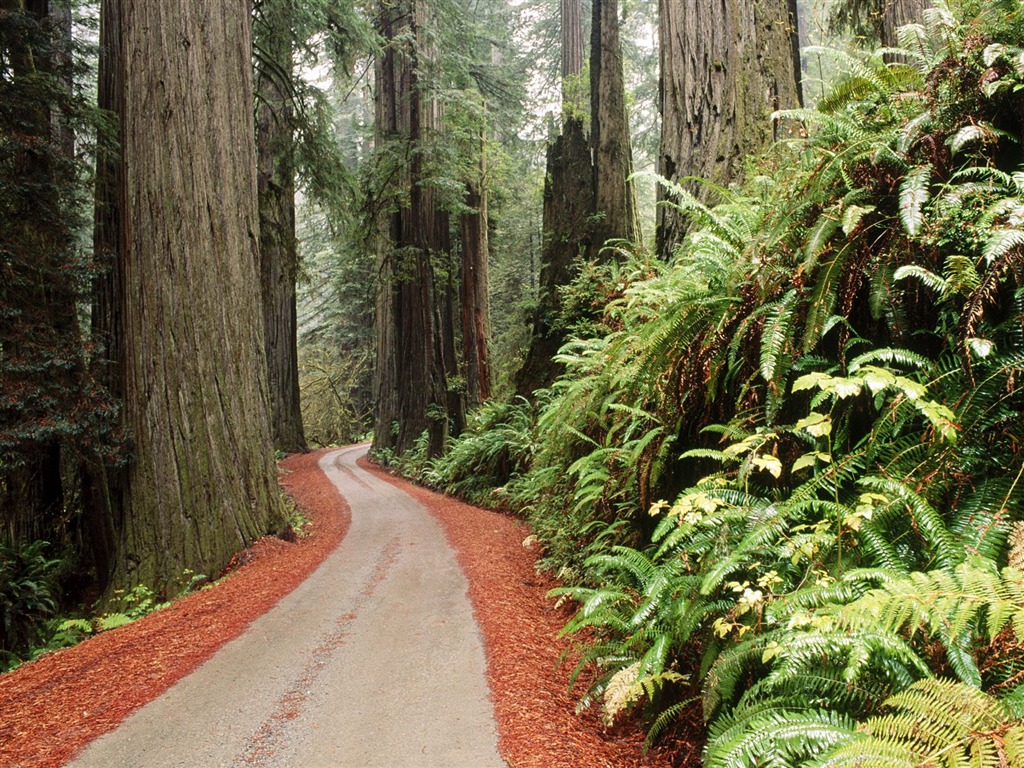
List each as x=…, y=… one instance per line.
x=28, y=596
x=787, y=471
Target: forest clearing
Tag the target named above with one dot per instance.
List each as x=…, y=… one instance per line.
x=718, y=305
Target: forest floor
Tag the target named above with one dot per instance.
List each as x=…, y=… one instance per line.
x=54, y=707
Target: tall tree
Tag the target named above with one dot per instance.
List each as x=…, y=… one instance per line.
x=476, y=315
x=726, y=65
x=274, y=31
x=52, y=412
x=614, y=194
x=568, y=210
x=875, y=21
x=898, y=13
x=182, y=302
x=410, y=375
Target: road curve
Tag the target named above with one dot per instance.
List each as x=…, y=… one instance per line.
x=375, y=661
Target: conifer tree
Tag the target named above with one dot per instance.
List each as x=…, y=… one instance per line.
x=725, y=67
x=180, y=311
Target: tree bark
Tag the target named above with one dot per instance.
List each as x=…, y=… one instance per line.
x=614, y=193
x=476, y=323
x=726, y=65
x=278, y=246
x=568, y=207
x=184, y=298
x=567, y=216
x=572, y=55
x=897, y=13
x=410, y=375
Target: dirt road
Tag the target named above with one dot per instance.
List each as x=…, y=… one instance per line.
x=374, y=662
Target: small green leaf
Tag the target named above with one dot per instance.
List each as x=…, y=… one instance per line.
x=771, y=650
x=877, y=379
x=845, y=388
x=913, y=196
x=805, y=461
x=852, y=217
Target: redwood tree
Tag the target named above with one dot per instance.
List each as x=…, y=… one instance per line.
x=726, y=65
x=898, y=13
x=474, y=300
x=279, y=260
x=181, y=309
x=410, y=377
x=614, y=195
x=568, y=210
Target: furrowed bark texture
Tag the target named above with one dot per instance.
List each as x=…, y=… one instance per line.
x=614, y=194
x=201, y=484
x=572, y=41
x=410, y=374
x=568, y=205
x=278, y=247
x=726, y=65
x=897, y=13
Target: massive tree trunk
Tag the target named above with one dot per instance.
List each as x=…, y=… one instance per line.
x=278, y=247
x=410, y=374
x=614, y=193
x=568, y=208
x=897, y=13
x=476, y=322
x=568, y=212
x=184, y=298
x=726, y=65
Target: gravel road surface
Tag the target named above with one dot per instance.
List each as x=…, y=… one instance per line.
x=375, y=661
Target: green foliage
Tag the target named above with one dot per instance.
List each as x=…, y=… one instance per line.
x=934, y=723
x=335, y=410
x=494, y=449
x=50, y=397
x=50, y=632
x=28, y=593
x=823, y=387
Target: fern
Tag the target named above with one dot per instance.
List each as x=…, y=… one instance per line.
x=934, y=722
x=913, y=196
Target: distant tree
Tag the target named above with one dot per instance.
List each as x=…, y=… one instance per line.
x=726, y=65
x=614, y=196
x=898, y=13
x=474, y=299
x=876, y=21
x=568, y=210
x=52, y=412
x=411, y=375
x=589, y=197
x=181, y=307
x=274, y=38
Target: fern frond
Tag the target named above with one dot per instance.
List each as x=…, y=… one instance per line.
x=934, y=722
x=780, y=737
x=931, y=525
x=913, y=196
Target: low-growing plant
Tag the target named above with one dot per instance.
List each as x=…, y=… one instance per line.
x=28, y=593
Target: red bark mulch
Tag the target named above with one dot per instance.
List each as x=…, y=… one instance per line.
x=50, y=709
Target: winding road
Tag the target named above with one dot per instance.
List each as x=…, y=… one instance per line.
x=375, y=661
